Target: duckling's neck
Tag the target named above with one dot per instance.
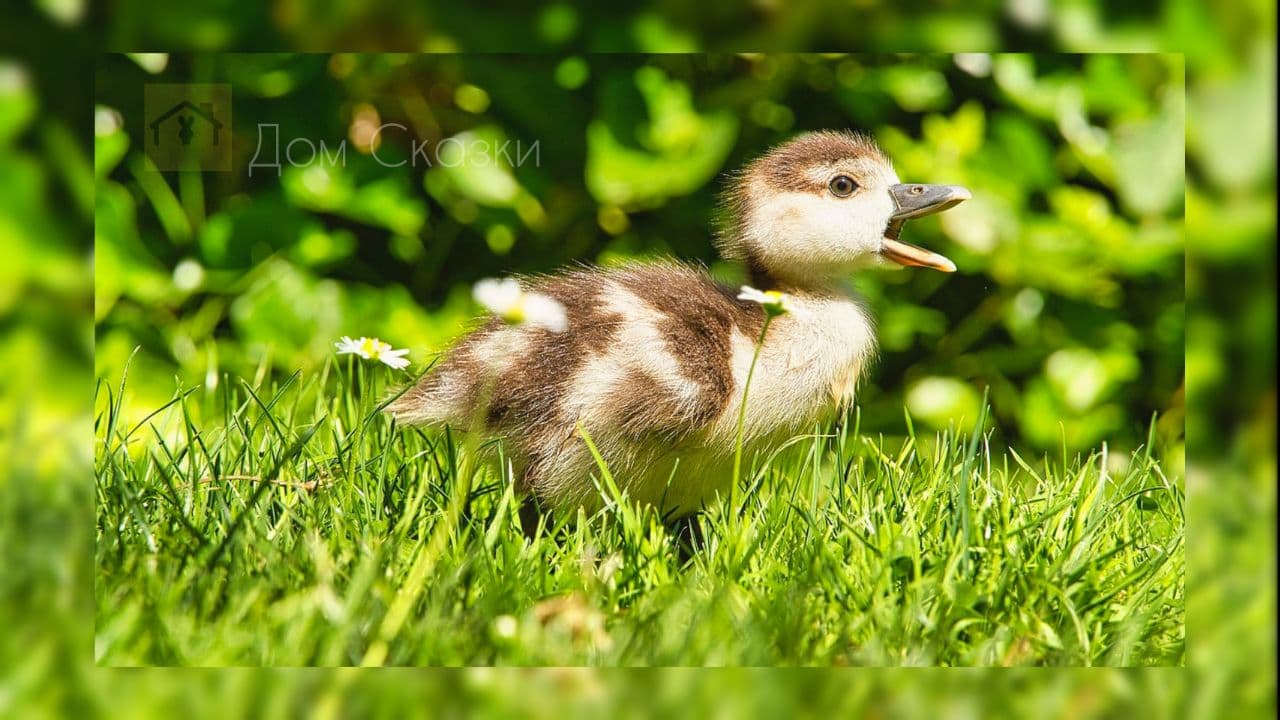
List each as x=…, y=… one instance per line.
x=761, y=277
x=758, y=276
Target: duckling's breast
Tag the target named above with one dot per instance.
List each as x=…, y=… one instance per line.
x=811, y=362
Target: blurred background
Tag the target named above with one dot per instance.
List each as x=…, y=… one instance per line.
x=57, y=168
x=1068, y=307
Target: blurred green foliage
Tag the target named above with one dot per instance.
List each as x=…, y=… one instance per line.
x=46, y=595
x=1068, y=305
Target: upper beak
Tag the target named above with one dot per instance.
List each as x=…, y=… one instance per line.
x=913, y=201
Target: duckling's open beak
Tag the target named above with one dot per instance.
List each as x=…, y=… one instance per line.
x=915, y=201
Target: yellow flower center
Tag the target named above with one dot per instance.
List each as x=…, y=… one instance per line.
x=515, y=315
x=774, y=303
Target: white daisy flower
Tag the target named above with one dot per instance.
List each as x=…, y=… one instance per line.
x=506, y=299
x=373, y=349
x=774, y=302
x=500, y=297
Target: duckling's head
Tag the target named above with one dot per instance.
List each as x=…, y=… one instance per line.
x=823, y=205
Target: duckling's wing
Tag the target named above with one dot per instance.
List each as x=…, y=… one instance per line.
x=676, y=342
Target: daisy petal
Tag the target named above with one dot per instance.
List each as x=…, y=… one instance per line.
x=500, y=297
x=395, y=362
x=545, y=312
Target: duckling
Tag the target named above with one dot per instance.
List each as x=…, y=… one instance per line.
x=655, y=356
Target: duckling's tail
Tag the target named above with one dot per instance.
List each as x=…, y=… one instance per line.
x=451, y=391
x=440, y=397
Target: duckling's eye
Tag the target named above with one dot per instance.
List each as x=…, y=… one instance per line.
x=842, y=186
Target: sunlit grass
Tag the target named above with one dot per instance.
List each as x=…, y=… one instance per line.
x=290, y=523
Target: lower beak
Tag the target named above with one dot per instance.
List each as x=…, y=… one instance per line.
x=912, y=255
x=913, y=201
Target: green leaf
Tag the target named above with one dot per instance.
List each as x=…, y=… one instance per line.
x=1150, y=159
x=944, y=402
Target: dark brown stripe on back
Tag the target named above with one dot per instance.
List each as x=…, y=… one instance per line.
x=700, y=319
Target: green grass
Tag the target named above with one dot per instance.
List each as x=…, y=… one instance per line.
x=289, y=523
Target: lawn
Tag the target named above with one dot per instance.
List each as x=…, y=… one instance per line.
x=288, y=522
